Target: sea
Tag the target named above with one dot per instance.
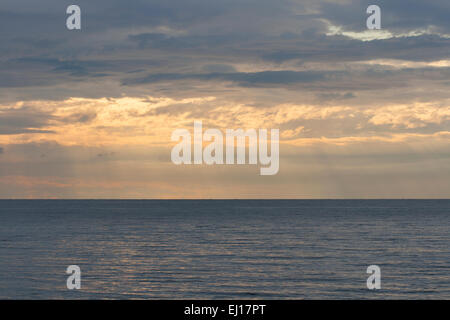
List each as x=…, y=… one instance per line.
x=225, y=249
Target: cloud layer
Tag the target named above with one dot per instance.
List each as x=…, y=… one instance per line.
x=89, y=113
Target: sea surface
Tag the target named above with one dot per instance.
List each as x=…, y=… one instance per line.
x=230, y=249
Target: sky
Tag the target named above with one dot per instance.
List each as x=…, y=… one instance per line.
x=89, y=113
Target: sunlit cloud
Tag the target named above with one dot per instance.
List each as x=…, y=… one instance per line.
x=400, y=64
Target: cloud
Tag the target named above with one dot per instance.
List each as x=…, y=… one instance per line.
x=339, y=48
x=150, y=121
x=410, y=116
x=100, y=104
x=374, y=78
x=241, y=78
x=80, y=117
x=24, y=120
x=336, y=96
x=396, y=15
x=249, y=43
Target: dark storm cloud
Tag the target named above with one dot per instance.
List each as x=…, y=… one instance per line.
x=315, y=47
x=340, y=48
x=71, y=67
x=202, y=40
x=219, y=68
x=80, y=117
x=336, y=96
x=23, y=120
x=240, y=78
x=31, y=17
x=42, y=71
x=31, y=120
x=396, y=15
x=374, y=78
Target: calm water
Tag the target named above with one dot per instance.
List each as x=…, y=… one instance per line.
x=225, y=249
